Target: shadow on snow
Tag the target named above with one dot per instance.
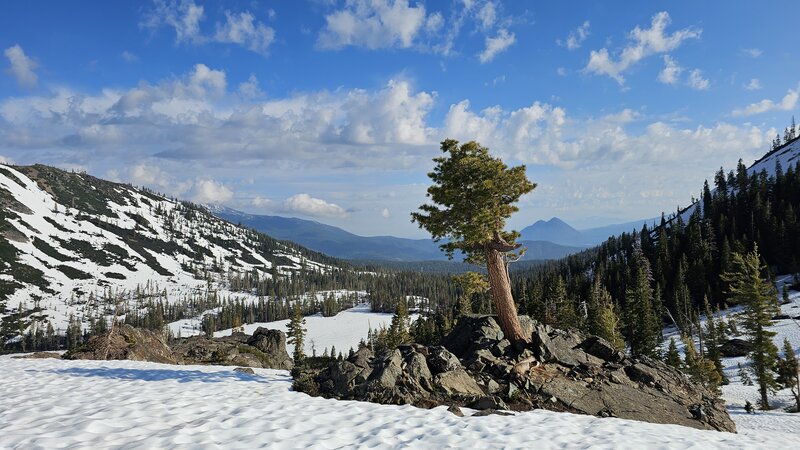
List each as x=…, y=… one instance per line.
x=181, y=376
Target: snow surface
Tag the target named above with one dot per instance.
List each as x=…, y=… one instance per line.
x=54, y=403
x=343, y=331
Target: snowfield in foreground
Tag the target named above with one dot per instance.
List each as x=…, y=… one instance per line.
x=124, y=404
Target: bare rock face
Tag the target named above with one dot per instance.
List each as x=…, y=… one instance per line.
x=126, y=342
x=265, y=349
x=560, y=371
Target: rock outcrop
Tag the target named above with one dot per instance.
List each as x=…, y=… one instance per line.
x=264, y=349
x=735, y=347
x=126, y=342
x=560, y=371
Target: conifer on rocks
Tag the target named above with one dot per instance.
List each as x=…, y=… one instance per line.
x=472, y=195
x=602, y=317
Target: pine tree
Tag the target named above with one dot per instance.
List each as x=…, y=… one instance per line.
x=761, y=304
x=471, y=283
x=473, y=193
x=644, y=328
x=602, y=318
x=713, y=341
x=398, y=329
x=789, y=372
x=698, y=368
x=297, y=332
x=673, y=358
x=744, y=377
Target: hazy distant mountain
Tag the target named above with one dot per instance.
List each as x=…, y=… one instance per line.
x=594, y=236
x=337, y=242
x=554, y=230
x=557, y=231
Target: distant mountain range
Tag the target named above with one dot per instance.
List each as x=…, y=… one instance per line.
x=545, y=240
x=559, y=232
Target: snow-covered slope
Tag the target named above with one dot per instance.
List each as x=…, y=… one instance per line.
x=126, y=404
x=736, y=393
x=72, y=244
x=787, y=155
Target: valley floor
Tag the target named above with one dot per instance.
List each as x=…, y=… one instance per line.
x=54, y=403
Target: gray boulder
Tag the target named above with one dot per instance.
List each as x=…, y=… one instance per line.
x=735, y=347
x=457, y=382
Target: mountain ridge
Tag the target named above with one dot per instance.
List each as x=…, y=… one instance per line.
x=340, y=243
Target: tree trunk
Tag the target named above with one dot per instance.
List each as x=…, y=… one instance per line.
x=501, y=294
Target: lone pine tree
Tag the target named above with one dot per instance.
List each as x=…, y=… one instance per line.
x=473, y=193
x=644, y=327
x=602, y=317
x=760, y=300
x=297, y=332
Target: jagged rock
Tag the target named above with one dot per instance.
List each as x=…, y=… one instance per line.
x=126, y=342
x=202, y=350
x=417, y=368
x=601, y=348
x=457, y=382
x=580, y=374
x=735, y=347
x=489, y=402
x=471, y=333
x=362, y=358
x=440, y=360
x=269, y=351
x=455, y=410
x=245, y=370
x=273, y=344
x=389, y=369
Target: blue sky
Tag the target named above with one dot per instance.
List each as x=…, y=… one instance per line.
x=332, y=110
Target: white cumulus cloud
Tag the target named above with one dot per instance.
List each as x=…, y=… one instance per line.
x=787, y=103
x=22, y=67
x=671, y=71
x=642, y=43
x=243, y=29
x=696, y=80
x=183, y=16
x=374, y=24
x=576, y=37
x=209, y=191
x=753, y=85
x=306, y=204
x=496, y=45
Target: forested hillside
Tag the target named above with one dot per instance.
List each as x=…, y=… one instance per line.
x=683, y=257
